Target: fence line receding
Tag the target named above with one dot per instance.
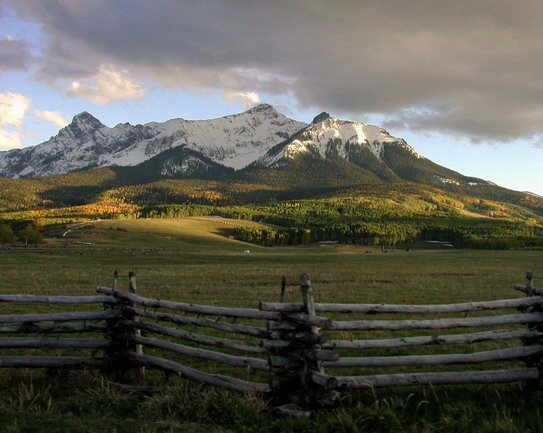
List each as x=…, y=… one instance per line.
x=301, y=353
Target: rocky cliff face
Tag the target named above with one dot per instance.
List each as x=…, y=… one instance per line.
x=233, y=141
x=327, y=136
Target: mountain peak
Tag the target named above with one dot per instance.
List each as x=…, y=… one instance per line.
x=321, y=117
x=261, y=107
x=86, y=120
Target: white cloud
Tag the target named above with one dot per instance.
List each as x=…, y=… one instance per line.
x=13, y=108
x=538, y=142
x=481, y=59
x=52, y=116
x=10, y=139
x=109, y=85
x=247, y=99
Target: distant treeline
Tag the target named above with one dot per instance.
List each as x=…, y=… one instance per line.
x=351, y=222
x=19, y=231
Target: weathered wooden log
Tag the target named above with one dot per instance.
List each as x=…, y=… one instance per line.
x=58, y=317
x=307, y=295
x=405, y=309
x=196, y=375
x=182, y=320
x=470, y=358
x=137, y=389
x=324, y=380
x=391, y=325
x=247, y=313
x=59, y=299
x=524, y=289
x=302, y=336
x=50, y=343
x=50, y=362
x=285, y=363
x=234, y=361
x=56, y=328
x=463, y=307
x=132, y=289
x=309, y=310
x=278, y=325
x=310, y=320
x=315, y=355
x=431, y=340
x=321, y=355
x=281, y=307
x=449, y=378
x=275, y=344
x=283, y=288
x=292, y=410
x=197, y=338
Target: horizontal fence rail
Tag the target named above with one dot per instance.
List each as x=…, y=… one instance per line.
x=434, y=340
x=449, y=378
x=304, y=331
x=395, y=325
x=294, y=352
x=246, y=313
x=207, y=323
x=464, y=307
x=35, y=299
x=197, y=338
x=58, y=317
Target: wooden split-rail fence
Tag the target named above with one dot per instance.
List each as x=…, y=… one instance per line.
x=294, y=353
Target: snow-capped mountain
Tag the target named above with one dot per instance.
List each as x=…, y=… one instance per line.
x=329, y=135
x=257, y=138
x=233, y=141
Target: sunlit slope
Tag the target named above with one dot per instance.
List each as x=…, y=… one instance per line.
x=193, y=233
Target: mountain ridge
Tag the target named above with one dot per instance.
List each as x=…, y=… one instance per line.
x=259, y=147
x=233, y=141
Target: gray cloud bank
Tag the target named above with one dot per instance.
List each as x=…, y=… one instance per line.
x=471, y=68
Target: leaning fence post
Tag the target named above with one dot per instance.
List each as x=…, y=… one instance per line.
x=309, y=307
x=317, y=386
x=114, y=282
x=132, y=288
x=529, y=284
x=115, y=333
x=285, y=366
x=297, y=379
x=283, y=288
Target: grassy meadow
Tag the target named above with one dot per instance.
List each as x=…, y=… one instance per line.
x=194, y=260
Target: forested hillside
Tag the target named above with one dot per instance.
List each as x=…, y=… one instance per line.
x=307, y=199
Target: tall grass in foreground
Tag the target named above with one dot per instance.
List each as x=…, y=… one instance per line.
x=70, y=402
x=45, y=401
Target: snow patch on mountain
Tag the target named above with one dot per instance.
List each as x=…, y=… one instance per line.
x=234, y=141
x=450, y=181
x=329, y=134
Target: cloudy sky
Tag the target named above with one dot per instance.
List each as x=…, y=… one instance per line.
x=460, y=80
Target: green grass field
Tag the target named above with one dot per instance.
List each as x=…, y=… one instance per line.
x=193, y=260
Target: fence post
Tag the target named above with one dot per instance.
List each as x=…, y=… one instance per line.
x=115, y=333
x=294, y=363
x=114, y=282
x=317, y=394
x=537, y=359
x=132, y=288
x=529, y=284
x=285, y=368
x=283, y=288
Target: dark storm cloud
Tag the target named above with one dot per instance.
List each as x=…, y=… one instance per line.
x=14, y=55
x=457, y=66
